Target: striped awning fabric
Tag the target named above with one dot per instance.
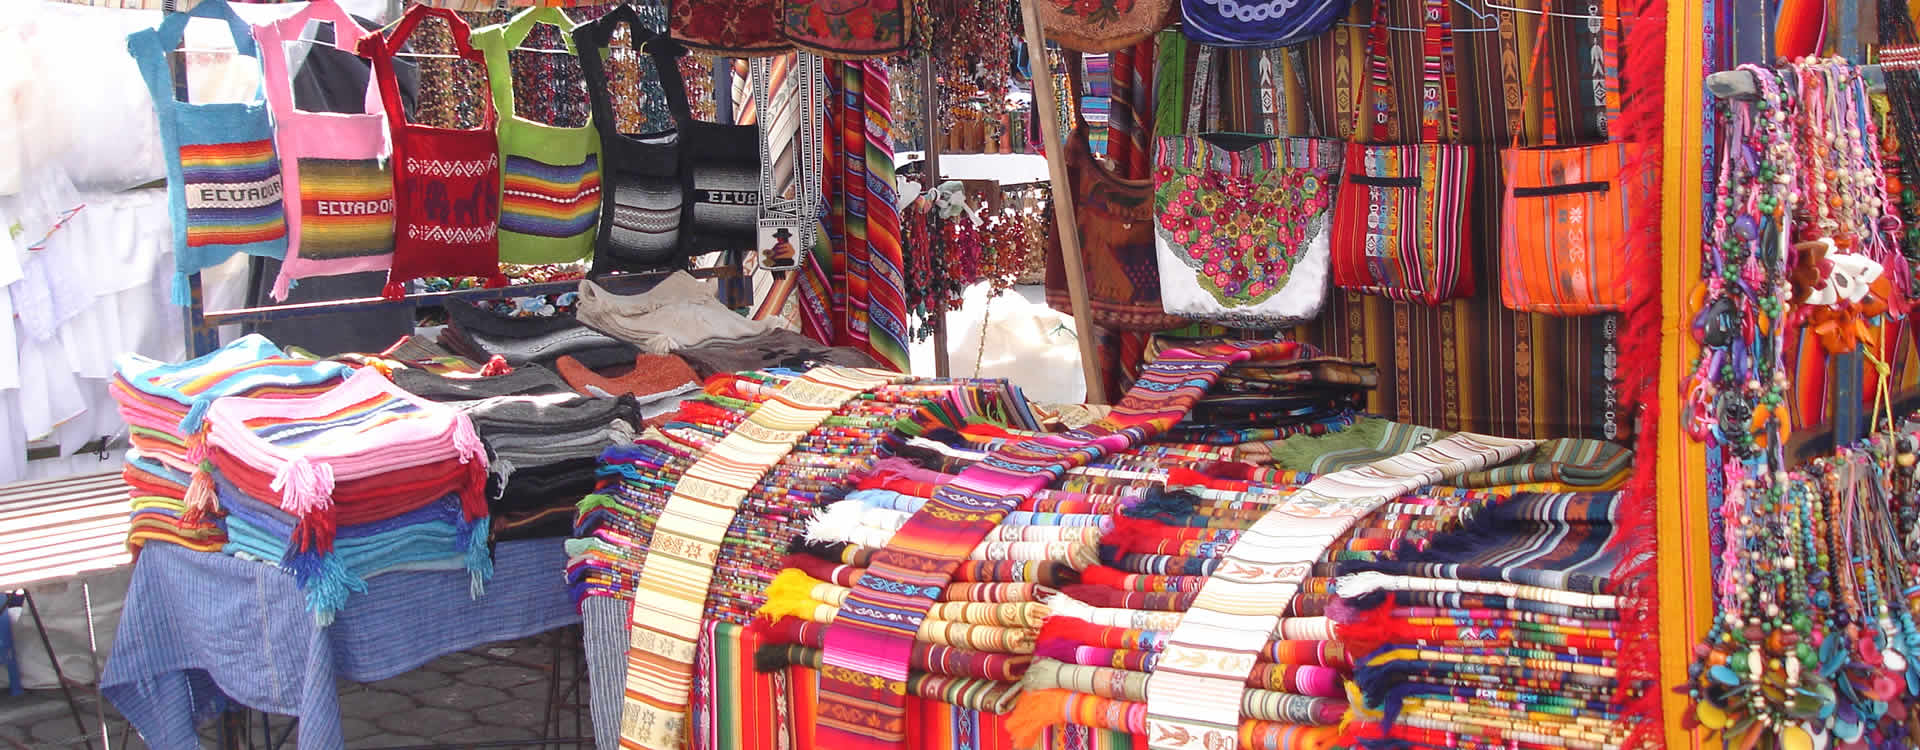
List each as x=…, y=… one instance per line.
x=62, y=528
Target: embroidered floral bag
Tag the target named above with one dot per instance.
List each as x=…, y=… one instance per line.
x=1401, y=223
x=1240, y=222
x=1103, y=25
x=1565, y=244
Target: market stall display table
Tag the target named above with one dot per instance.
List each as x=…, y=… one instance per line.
x=199, y=627
x=59, y=530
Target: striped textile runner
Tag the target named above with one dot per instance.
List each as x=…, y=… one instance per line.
x=823, y=296
x=864, y=670
x=886, y=269
x=1194, y=695
x=853, y=134
x=671, y=590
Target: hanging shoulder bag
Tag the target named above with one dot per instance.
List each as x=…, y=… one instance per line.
x=1240, y=222
x=719, y=166
x=1103, y=25
x=1401, y=223
x=1566, y=245
x=644, y=200
x=1258, y=23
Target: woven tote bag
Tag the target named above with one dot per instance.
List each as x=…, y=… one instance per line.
x=1565, y=244
x=1400, y=224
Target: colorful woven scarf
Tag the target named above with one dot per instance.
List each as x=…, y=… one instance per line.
x=1194, y=698
x=886, y=270
x=670, y=595
x=864, y=671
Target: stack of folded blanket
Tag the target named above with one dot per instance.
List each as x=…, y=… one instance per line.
x=979, y=641
x=415, y=353
x=615, y=525
x=341, y=486
x=544, y=451
x=543, y=441
x=164, y=405
x=1104, y=638
x=657, y=383
x=682, y=315
x=1275, y=400
x=1513, y=631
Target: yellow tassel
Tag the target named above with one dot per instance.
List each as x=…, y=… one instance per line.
x=790, y=594
x=1357, y=708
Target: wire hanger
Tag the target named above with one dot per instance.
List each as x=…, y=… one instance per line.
x=1529, y=11
x=1491, y=19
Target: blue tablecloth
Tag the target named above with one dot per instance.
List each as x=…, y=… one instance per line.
x=197, y=626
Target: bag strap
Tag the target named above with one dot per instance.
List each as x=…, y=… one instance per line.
x=1380, y=81
x=172, y=31
x=1297, y=61
x=666, y=54
x=1438, y=87
x=1603, y=58
x=1202, y=88
x=1512, y=85
x=347, y=34
x=381, y=50
x=498, y=43
x=589, y=39
x=1169, y=82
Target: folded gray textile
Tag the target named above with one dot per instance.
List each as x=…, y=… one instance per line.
x=679, y=312
x=778, y=348
x=529, y=380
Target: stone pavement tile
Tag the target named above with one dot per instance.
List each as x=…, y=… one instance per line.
x=355, y=729
x=373, y=705
x=460, y=697
x=409, y=683
x=459, y=662
x=389, y=740
x=56, y=730
x=426, y=722
x=532, y=691
x=487, y=734
x=513, y=714
x=499, y=676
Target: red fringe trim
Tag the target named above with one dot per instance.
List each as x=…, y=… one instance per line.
x=1642, y=121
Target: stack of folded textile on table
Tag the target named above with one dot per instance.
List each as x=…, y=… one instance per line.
x=978, y=642
x=1515, y=631
x=543, y=441
x=615, y=525
x=682, y=316
x=528, y=330
x=163, y=405
x=657, y=383
x=544, y=451
x=344, y=485
x=1573, y=463
x=1275, y=400
x=1105, y=636
x=415, y=353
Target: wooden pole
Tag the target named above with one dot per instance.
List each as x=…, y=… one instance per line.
x=1063, y=223
x=1686, y=583
x=930, y=129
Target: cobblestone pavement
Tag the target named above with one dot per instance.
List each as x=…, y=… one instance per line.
x=488, y=694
